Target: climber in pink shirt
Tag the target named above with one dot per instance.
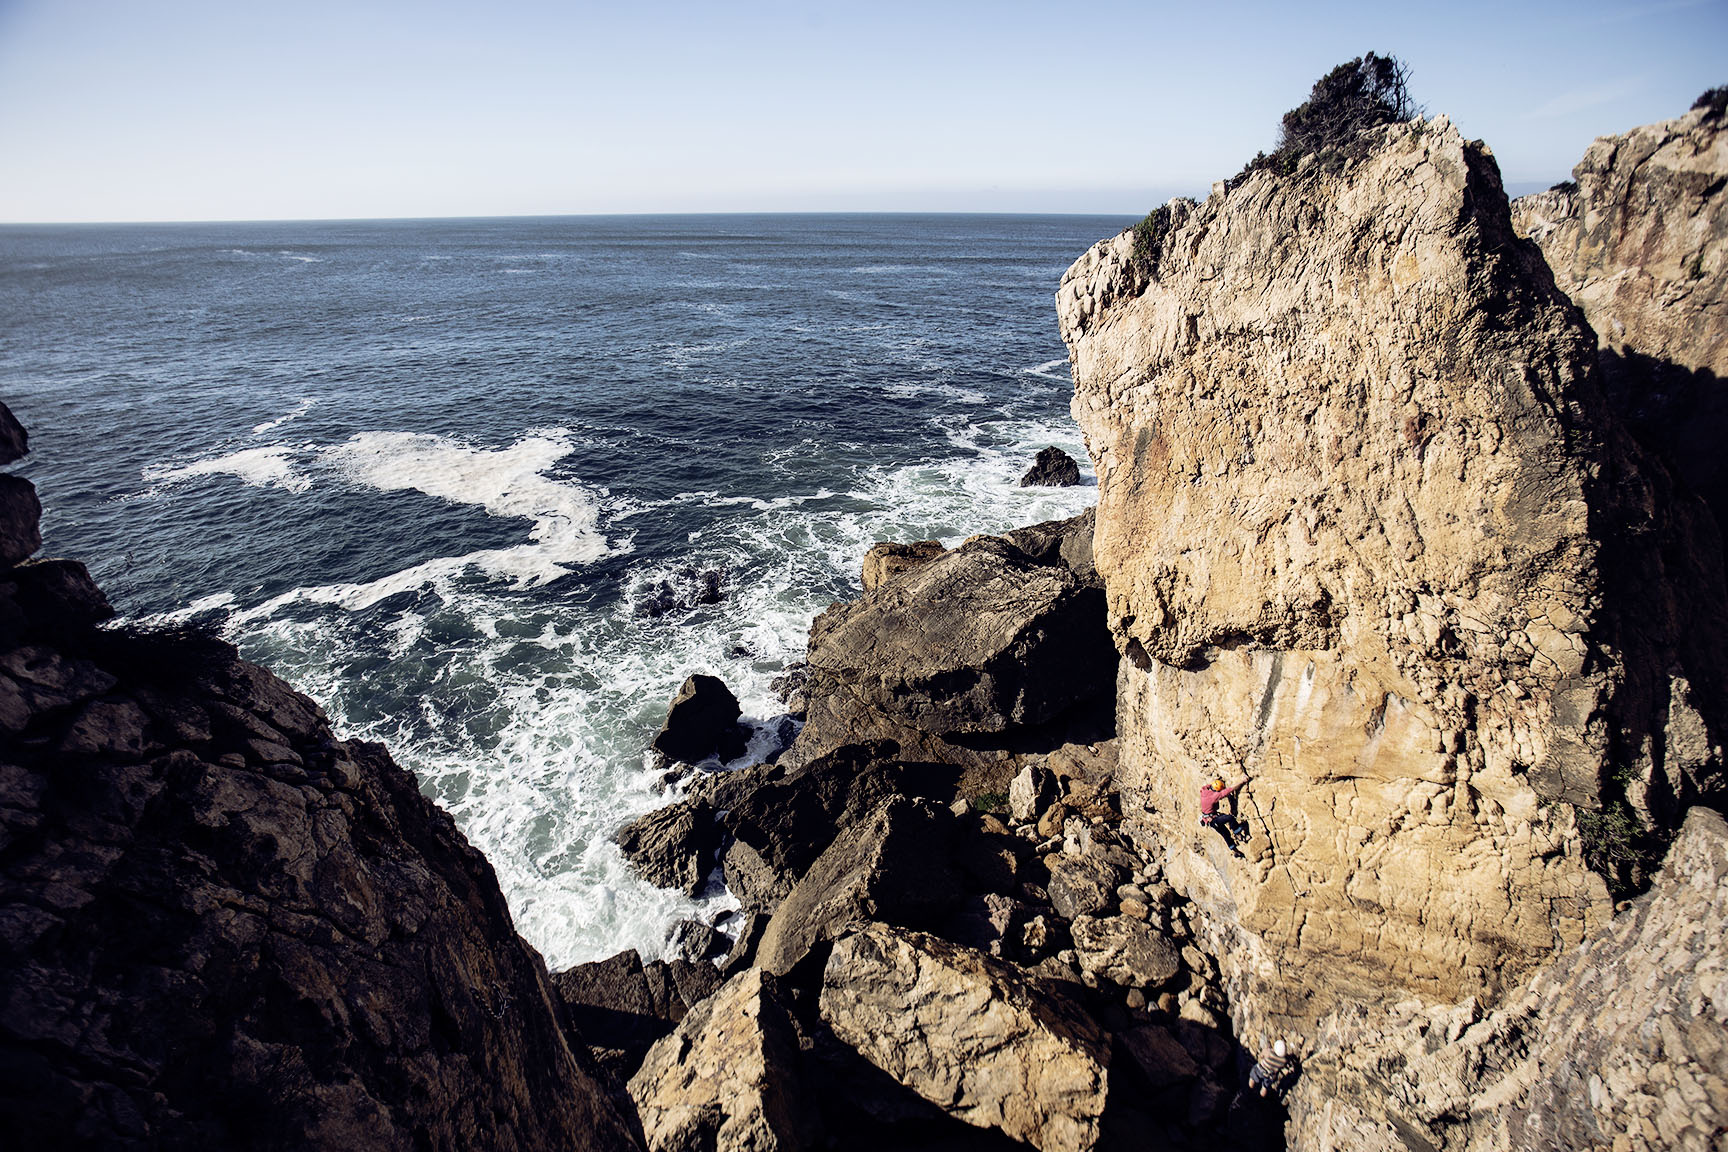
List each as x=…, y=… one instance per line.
x=1214, y=817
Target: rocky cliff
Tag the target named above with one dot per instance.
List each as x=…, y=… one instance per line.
x=1370, y=533
x=1639, y=239
x=220, y=926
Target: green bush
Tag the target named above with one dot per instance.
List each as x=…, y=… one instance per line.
x=1149, y=237
x=1368, y=92
x=1716, y=100
x=1619, y=848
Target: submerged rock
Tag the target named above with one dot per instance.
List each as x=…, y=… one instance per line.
x=702, y=721
x=1053, y=468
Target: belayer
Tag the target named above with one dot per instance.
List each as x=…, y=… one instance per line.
x=1216, y=818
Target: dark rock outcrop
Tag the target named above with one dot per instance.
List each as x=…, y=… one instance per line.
x=978, y=646
x=1053, y=468
x=14, y=440
x=620, y=1006
x=702, y=721
x=674, y=847
x=222, y=927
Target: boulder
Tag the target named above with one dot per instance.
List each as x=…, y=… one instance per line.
x=674, y=847
x=887, y=559
x=982, y=640
x=783, y=824
x=1032, y=791
x=1124, y=950
x=729, y=1078
x=1053, y=468
x=619, y=1007
x=973, y=1035
x=894, y=867
x=701, y=722
x=1081, y=885
x=20, y=519
x=14, y=441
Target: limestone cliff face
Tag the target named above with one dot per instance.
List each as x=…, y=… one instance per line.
x=1640, y=242
x=1367, y=532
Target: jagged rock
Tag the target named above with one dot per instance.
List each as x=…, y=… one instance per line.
x=304, y=953
x=970, y=1034
x=14, y=441
x=1620, y=1044
x=1640, y=241
x=781, y=826
x=728, y=1079
x=701, y=722
x=696, y=942
x=20, y=519
x=993, y=923
x=894, y=867
x=1053, y=468
x=1161, y=1058
x=980, y=640
x=688, y=589
x=674, y=847
x=622, y=1006
x=1081, y=885
x=1124, y=951
x=1367, y=530
x=59, y=595
x=887, y=559
x=1032, y=791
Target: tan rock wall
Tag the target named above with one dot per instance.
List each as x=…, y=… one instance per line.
x=1345, y=438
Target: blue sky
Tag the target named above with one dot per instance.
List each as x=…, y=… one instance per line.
x=200, y=110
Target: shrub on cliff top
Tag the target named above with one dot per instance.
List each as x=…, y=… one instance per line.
x=1716, y=100
x=1149, y=240
x=1368, y=92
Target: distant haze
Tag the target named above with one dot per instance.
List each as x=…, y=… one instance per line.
x=202, y=110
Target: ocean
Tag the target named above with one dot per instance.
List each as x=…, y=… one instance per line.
x=489, y=490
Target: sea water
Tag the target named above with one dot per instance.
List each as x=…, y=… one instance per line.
x=489, y=490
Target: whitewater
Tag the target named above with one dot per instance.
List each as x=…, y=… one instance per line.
x=462, y=482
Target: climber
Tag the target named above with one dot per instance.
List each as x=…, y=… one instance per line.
x=1273, y=1071
x=1214, y=817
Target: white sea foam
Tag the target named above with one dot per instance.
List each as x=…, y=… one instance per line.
x=300, y=410
x=1050, y=370
x=527, y=717
x=267, y=467
x=506, y=482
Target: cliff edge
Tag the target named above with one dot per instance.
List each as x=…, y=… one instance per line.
x=222, y=927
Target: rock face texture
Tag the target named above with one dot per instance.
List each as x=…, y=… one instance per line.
x=1640, y=242
x=1367, y=531
x=1623, y=1043
x=221, y=927
x=728, y=1077
x=970, y=1034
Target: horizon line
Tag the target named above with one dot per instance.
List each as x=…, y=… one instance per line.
x=542, y=216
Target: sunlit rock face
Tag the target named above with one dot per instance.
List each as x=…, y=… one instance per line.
x=1368, y=534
